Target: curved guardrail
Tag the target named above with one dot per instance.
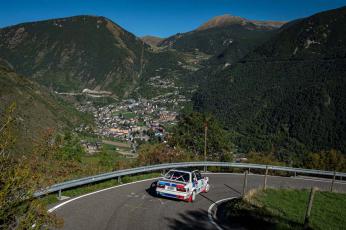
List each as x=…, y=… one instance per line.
x=105, y=176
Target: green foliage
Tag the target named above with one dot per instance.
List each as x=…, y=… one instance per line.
x=105, y=159
x=263, y=158
x=70, y=148
x=326, y=160
x=18, y=181
x=75, y=53
x=215, y=40
x=189, y=133
x=150, y=154
x=276, y=99
x=36, y=110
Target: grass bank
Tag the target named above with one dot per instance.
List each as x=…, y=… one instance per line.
x=285, y=209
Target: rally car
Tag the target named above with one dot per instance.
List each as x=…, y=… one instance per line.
x=182, y=184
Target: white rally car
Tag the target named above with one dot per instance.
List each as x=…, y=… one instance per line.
x=182, y=184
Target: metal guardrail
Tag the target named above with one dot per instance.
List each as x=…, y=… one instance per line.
x=105, y=176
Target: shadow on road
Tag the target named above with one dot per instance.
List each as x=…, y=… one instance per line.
x=251, y=217
x=189, y=220
x=151, y=191
x=233, y=189
x=207, y=198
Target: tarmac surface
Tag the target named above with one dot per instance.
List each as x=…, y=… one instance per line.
x=134, y=206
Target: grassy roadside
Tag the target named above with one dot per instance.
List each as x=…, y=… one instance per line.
x=285, y=209
x=52, y=198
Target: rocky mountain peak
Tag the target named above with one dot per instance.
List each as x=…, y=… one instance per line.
x=221, y=21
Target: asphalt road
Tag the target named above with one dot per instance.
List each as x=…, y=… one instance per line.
x=134, y=207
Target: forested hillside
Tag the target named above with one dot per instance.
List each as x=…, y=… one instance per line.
x=70, y=54
x=34, y=109
x=289, y=93
x=235, y=33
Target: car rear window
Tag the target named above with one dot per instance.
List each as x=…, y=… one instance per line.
x=178, y=176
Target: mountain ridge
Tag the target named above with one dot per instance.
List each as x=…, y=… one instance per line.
x=75, y=53
x=227, y=19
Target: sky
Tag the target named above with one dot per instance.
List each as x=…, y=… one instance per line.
x=161, y=17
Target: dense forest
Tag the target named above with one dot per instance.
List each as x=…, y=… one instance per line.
x=287, y=95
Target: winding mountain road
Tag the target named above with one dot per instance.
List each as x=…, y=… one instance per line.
x=133, y=206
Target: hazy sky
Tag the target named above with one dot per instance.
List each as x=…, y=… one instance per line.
x=161, y=18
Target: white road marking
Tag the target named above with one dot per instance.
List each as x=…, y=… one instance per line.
x=88, y=194
x=210, y=215
x=78, y=197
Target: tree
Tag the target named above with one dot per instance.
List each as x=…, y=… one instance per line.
x=326, y=160
x=201, y=134
x=70, y=148
x=18, y=208
x=150, y=154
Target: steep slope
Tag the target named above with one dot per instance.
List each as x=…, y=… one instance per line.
x=236, y=33
x=151, y=40
x=70, y=54
x=289, y=92
x=36, y=109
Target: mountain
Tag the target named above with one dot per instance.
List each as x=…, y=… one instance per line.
x=219, y=33
x=70, y=54
x=36, y=109
x=151, y=40
x=289, y=93
x=227, y=20
x=88, y=52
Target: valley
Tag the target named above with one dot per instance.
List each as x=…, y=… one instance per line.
x=247, y=74
x=96, y=94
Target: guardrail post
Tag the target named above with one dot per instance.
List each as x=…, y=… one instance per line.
x=295, y=174
x=249, y=170
x=308, y=210
x=333, y=181
x=265, y=178
x=59, y=195
x=119, y=179
x=163, y=172
x=245, y=183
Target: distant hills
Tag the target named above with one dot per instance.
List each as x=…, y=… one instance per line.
x=70, y=54
x=275, y=86
x=289, y=93
x=36, y=108
x=151, y=40
x=222, y=32
x=227, y=20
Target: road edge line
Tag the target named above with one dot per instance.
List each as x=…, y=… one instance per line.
x=210, y=215
x=92, y=193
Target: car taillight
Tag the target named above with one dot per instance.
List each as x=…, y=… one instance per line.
x=160, y=185
x=181, y=188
